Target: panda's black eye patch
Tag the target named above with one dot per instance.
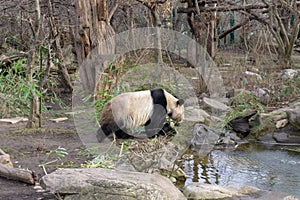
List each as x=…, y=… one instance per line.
x=170, y=114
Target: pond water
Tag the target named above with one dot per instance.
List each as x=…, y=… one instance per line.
x=267, y=167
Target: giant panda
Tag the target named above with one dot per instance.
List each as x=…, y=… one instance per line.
x=147, y=108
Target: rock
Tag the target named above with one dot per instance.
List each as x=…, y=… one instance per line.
x=284, y=120
x=206, y=139
x=253, y=74
x=227, y=140
x=290, y=198
x=288, y=138
x=281, y=123
x=214, y=105
x=293, y=113
x=263, y=95
x=289, y=73
x=206, y=191
x=191, y=101
x=266, y=122
x=283, y=136
x=241, y=124
x=196, y=114
x=97, y=183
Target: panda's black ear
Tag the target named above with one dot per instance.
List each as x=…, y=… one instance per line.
x=180, y=102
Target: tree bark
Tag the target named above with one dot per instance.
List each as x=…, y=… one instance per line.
x=92, y=30
x=17, y=174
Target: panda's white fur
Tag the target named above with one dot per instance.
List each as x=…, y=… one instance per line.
x=132, y=109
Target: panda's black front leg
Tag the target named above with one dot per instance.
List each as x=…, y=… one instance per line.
x=120, y=134
x=167, y=130
x=156, y=122
x=153, y=128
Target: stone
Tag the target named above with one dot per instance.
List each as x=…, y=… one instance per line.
x=263, y=95
x=98, y=183
x=290, y=198
x=204, y=138
x=293, y=113
x=214, y=105
x=282, y=120
x=289, y=73
x=253, y=74
x=281, y=123
x=191, y=101
x=206, y=191
x=241, y=124
x=195, y=114
x=267, y=122
x=207, y=139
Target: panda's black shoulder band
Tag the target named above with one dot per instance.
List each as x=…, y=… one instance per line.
x=159, y=97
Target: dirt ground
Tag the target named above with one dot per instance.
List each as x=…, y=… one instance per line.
x=29, y=149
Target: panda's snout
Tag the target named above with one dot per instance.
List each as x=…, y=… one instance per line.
x=178, y=118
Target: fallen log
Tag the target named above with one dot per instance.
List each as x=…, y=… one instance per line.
x=7, y=170
x=23, y=175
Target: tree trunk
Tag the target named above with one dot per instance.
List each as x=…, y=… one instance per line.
x=92, y=30
x=34, y=103
x=157, y=25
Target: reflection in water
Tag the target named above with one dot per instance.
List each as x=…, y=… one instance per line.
x=267, y=168
x=206, y=169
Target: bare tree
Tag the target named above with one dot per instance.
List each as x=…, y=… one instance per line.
x=64, y=75
x=153, y=6
x=276, y=15
x=35, y=103
x=280, y=15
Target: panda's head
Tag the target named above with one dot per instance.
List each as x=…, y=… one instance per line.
x=175, y=107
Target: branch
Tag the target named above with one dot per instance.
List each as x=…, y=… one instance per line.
x=281, y=25
x=113, y=10
x=197, y=7
x=222, y=8
x=233, y=28
x=150, y=4
x=228, y=8
x=38, y=19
